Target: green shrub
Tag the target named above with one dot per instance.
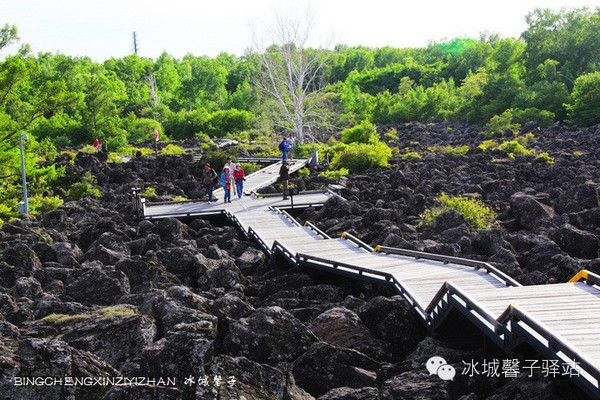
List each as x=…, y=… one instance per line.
x=149, y=192
x=457, y=150
x=142, y=129
x=88, y=148
x=488, y=145
x=304, y=172
x=410, y=156
x=365, y=132
x=543, y=118
x=526, y=140
x=41, y=205
x=305, y=150
x=391, y=136
x=360, y=156
x=223, y=122
x=179, y=198
x=217, y=159
x=502, y=123
x=577, y=153
x=514, y=148
x=172, y=150
x=133, y=151
x=475, y=213
x=585, y=106
x=85, y=188
x=114, y=158
x=249, y=168
x=545, y=158
x=335, y=174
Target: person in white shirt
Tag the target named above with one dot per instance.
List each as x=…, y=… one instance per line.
x=231, y=165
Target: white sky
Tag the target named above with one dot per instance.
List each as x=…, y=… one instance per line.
x=102, y=29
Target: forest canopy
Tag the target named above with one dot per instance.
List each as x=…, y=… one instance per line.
x=548, y=74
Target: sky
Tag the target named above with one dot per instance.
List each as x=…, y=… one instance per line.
x=103, y=29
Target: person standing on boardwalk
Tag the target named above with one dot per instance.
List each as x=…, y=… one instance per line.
x=209, y=179
x=284, y=176
x=284, y=150
x=226, y=179
x=231, y=167
x=290, y=147
x=239, y=176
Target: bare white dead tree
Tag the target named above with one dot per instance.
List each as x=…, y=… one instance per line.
x=291, y=76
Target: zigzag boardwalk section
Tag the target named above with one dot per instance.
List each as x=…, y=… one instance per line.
x=561, y=321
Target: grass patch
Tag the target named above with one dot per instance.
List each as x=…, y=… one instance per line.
x=114, y=158
x=513, y=148
x=475, y=212
x=149, y=192
x=545, y=158
x=335, y=174
x=112, y=313
x=410, y=156
x=456, y=150
x=172, y=150
x=60, y=319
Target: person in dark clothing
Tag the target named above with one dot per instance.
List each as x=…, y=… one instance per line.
x=284, y=176
x=209, y=180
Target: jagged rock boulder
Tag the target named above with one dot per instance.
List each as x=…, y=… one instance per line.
x=414, y=385
x=243, y=378
x=393, y=320
x=187, y=266
x=224, y=274
x=112, y=333
x=269, y=335
x=55, y=358
x=528, y=211
x=579, y=198
x=341, y=327
x=577, y=242
x=99, y=286
x=346, y=393
x=324, y=367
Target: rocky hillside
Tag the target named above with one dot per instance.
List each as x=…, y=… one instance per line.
x=89, y=290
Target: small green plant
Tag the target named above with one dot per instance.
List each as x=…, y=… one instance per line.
x=85, y=188
x=61, y=319
x=41, y=205
x=112, y=313
x=149, y=192
x=114, y=158
x=410, y=156
x=514, y=148
x=179, y=198
x=526, y=140
x=335, y=174
x=456, y=150
x=545, y=158
x=88, y=148
x=304, y=172
x=475, y=213
x=172, y=150
x=502, y=123
x=577, y=153
x=488, y=145
x=391, y=136
x=133, y=151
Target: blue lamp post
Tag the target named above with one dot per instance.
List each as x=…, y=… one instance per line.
x=24, y=206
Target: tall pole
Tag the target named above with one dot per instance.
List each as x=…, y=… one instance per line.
x=22, y=137
x=135, y=46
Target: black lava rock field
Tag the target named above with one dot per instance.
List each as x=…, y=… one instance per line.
x=191, y=310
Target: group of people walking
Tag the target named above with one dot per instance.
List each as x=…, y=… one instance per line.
x=286, y=146
x=232, y=178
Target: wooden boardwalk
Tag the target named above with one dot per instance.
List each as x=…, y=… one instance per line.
x=561, y=321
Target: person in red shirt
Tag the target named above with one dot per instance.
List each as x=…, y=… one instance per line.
x=239, y=176
x=96, y=144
